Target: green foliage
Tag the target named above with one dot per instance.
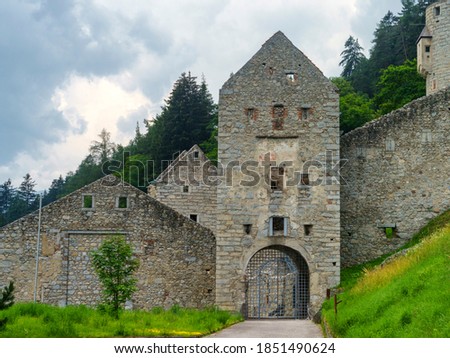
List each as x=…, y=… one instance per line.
x=114, y=264
x=7, y=296
x=399, y=85
x=389, y=232
x=405, y=298
x=351, y=57
x=26, y=320
x=356, y=109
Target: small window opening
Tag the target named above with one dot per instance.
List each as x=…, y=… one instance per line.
x=88, y=201
x=278, y=226
x=194, y=217
x=210, y=290
x=208, y=271
x=437, y=10
x=277, y=178
x=428, y=49
x=250, y=113
x=122, y=202
x=308, y=230
x=278, y=114
x=196, y=154
x=390, y=232
x=390, y=145
x=304, y=113
x=185, y=188
x=305, y=179
x=334, y=263
x=247, y=229
x=291, y=76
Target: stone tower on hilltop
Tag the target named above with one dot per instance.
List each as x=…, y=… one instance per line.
x=278, y=203
x=433, y=47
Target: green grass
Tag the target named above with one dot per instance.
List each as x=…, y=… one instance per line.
x=44, y=321
x=408, y=297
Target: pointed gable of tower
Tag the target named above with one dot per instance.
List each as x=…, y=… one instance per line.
x=277, y=62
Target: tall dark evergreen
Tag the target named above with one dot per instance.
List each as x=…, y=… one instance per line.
x=351, y=57
x=184, y=119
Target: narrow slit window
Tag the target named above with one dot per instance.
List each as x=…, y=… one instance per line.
x=437, y=11
x=305, y=179
x=250, y=113
x=278, y=114
x=196, y=154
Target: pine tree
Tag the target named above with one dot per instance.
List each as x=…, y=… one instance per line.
x=26, y=191
x=184, y=119
x=351, y=57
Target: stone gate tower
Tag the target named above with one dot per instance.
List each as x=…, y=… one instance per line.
x=433, y=47
x=278, y=202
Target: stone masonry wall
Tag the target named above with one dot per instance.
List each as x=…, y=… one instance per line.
x=177, y=256
x=438, y=23
x=189, y=187
x=278, y=108
x=397, y=177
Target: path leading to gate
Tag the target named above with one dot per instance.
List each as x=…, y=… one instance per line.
x=280, y=328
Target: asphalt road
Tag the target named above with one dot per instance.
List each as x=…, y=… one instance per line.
x=279, y=328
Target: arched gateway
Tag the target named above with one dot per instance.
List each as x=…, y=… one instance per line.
x=277, y=284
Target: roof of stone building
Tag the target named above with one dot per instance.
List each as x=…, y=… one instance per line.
x=182, y=158
x=425, y=34
x=276, y=46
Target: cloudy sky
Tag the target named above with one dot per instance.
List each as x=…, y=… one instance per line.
x=69, y=68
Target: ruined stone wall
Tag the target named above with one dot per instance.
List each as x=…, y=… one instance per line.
x=189, y=187
x=177, y=256
x=278, y=110
x=396, y=179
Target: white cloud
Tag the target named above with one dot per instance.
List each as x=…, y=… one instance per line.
x=103, y=64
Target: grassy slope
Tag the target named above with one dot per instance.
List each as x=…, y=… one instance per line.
x=44, y=321
x=408, y=297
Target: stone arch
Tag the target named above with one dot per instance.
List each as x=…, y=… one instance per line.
x=276, y=284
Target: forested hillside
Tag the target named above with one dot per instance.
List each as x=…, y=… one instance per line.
x=369, y=87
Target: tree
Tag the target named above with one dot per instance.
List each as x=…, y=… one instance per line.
x=55, y=191
x=356, y=108
x=399, y=85
x=114, y=264
x=101, y=151
x=7, y=192
x=183, y=121
x=351, y=57
x=7, y=296
x=26, y=190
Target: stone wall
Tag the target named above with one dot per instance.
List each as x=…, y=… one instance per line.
x=438, y=24
x=188, y=185
x=277, y=111
x=177, y=256
x=396, y=179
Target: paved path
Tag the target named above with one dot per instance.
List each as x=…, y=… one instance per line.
x=280, y=328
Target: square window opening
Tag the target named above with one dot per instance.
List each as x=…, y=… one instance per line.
x=185, y=188
x=194, y=217
x=88, y=201
x=308, y=230
x=196, y=154
x=278, y=226
x=428, y=49
x=247, y=229
x=122, y=202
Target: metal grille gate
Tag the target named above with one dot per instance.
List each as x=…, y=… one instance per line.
x=277, y=284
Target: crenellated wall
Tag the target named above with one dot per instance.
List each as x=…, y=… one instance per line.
x=396, y=179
